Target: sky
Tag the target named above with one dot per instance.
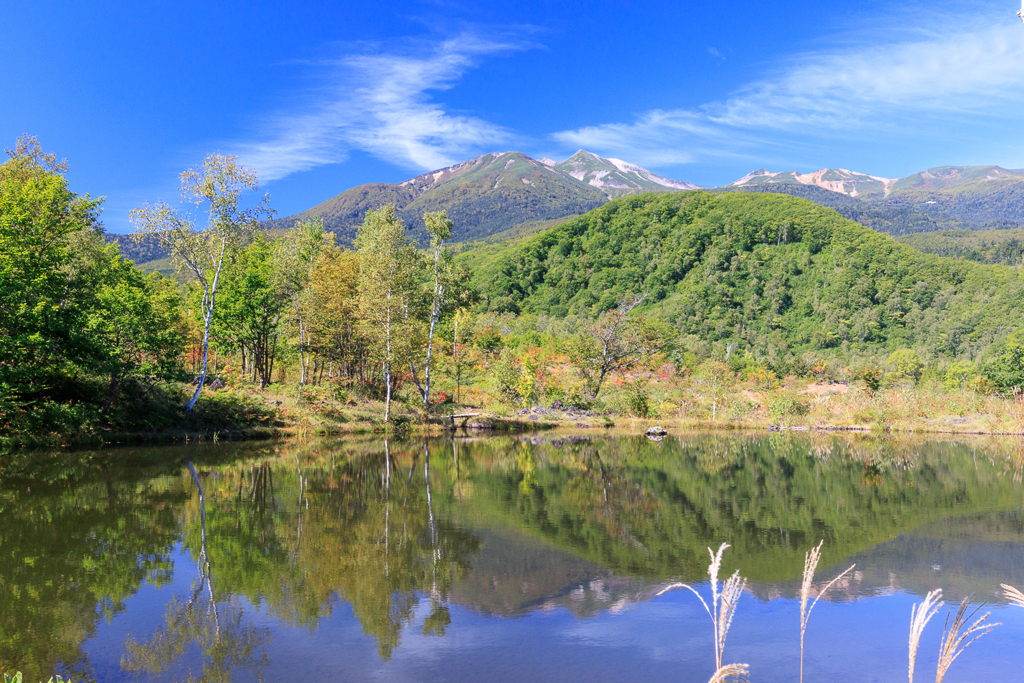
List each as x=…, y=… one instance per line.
x=320, y=97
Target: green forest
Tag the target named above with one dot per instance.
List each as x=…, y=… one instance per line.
x=690, y=306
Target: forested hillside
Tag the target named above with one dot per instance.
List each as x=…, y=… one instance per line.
x=891, y=219
x=1004, y=247
x=768, y=272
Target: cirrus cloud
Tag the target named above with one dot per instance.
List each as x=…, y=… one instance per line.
x=968, y=70
x=381, y=102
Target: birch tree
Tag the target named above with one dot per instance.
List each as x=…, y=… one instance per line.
x=217, y=188
x=387, y=262
x=296, y=255
x=440, y=229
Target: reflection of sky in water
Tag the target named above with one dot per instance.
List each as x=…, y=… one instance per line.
x=537, y=602
x=665, y=639
x=654, y=639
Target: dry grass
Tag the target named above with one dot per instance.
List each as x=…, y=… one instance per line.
x=723, y=605
x=732, y=673
x=920, y=615
x=954, y=636
x=920, y=408
x=811, y=559
x=1013, y=595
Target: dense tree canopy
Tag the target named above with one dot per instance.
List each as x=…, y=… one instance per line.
x=770, y=272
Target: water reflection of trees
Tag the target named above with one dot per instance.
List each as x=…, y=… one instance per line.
x=70, y=557
x=225, y=637
x=359, y=526
x=770, y=497
x=383, y=527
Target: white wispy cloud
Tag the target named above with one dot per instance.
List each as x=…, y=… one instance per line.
x=380, y=102
x=895, y=84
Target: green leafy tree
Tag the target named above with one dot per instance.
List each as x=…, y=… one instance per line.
x=296, y=256
x=905, y=364
x=44, y=296
x=386, y=269
x=959, y=374
x=137, y=324
x=716, y=377
x=217, y=187
x=1006, y=371
x=440, y=230
x=253, y=301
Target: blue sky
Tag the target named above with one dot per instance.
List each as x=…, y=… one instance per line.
x=320, y=97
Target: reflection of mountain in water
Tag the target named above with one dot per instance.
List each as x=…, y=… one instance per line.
x=962, y=556
x=513, y=574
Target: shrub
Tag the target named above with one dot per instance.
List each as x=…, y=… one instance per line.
x=762, y=378
x=905, y=364
x=637, y=399
x=872, y=377
x=959, y=374
x=787, y=405
x=506, y=375
x=1007, y=370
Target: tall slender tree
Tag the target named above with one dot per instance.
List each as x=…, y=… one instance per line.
x=440, y=229
x=386, y=266
x=217, y=187
x=296, y=256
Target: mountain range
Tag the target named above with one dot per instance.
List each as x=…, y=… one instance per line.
x=496, y=192
x=492, y=193
x=938, y=198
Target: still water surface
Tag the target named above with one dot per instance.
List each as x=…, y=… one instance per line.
x=501, y=559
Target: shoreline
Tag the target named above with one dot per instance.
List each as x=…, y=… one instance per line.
x=481, y=424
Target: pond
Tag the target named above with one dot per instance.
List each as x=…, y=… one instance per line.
x=529, y=558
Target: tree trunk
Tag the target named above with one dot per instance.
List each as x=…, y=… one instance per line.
x=202, y=375
x=387, y=380
x=412, y=368
x=434, y=313
x=302, y=352
x=111, y=389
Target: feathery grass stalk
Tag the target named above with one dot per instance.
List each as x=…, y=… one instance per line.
x=732, y=673
x=723, y=605
x=811, y=560
x=1013, y=595
x=920, y=615
x=953, y=640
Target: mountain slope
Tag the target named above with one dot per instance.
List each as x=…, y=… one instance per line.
x=616, y=177
x=773, y=273
x=492, y=193
x=837, y=180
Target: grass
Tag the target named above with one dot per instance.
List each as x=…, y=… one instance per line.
x=722, y=610
x=811, y=559
x=957, y=635
x=634, y=400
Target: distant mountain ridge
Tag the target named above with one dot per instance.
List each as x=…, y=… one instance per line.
x=838, y=180
x=942, y=198
x=854, y=184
